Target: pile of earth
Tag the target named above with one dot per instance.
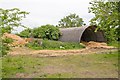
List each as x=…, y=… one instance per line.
x=17, y=40
x=92, y=44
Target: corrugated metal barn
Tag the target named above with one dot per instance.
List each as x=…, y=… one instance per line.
x=84, y=33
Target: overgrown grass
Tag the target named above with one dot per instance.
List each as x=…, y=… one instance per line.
x=75, y=66
x=56, y=45
x=114, y=43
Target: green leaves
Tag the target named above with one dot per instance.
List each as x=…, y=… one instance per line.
x=71, y=20
x=4, y=46
x=11, y=17
x=106, y=17
x=26, y=33
x=47, y=32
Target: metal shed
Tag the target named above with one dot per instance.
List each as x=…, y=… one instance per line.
x=84, y=33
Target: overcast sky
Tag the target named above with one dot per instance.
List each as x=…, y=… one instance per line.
x=48, y=11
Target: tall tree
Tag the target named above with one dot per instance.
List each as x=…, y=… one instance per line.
x=10, y=18
x=106, y=17
x=71, y=20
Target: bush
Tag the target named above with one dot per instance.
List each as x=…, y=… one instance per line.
x=4, y=48
x=49, y=44
x=47, y=32
x=26, y=33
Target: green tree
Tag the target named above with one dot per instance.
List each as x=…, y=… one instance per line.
x=47, y=32
x=26, y=33
x=106, y=18
x=71, y=20
x=9, y=18
x=4, y=48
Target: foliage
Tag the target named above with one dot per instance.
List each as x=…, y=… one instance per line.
x=4, y=46
x=9, y=18
x=49, y=44
x=26, y=33
x=71, y=20
x=47, y=32
x=106, y=17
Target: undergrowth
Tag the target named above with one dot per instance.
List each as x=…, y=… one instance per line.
x=56, y=45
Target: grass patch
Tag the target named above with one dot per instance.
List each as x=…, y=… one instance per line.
x=114, y=43
x=56, y=45
x=74, y=66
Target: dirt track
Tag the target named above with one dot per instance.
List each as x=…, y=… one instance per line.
x=53, y=53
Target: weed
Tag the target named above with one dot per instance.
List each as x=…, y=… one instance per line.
x=49, y=44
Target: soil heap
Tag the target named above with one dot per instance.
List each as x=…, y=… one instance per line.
x=17, y=40
x=92, y=44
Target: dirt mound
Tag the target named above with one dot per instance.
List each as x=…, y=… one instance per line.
x=93, y=44
x=13, y=36
x=17, y=40
x=29, y=39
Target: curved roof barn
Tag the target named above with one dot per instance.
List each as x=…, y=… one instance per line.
x=84, y=33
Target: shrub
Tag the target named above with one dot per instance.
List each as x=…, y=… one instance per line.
x=4, y=48
x=49, y=44
x=26, y=33
x=47, y=32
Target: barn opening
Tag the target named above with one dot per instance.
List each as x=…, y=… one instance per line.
x=90, y=35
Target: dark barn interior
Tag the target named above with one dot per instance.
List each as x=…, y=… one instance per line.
x=90, y=35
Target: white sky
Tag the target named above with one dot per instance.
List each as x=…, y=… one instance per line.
x=49, y=11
